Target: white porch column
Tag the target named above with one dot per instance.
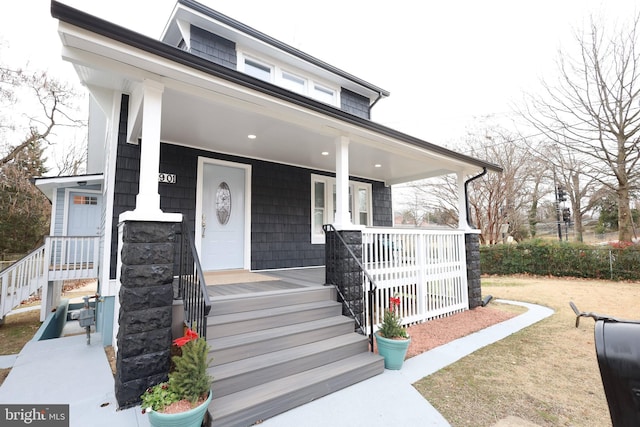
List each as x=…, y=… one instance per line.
x=148, y=199
x=343, y=217
x=463, y=222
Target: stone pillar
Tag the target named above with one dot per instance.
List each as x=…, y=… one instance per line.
x=341, y=270
x=472, y=245
x=146, y=300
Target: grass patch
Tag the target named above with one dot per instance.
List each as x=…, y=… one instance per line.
x=510, y=308
x=547, y=373
x=3, y=374
x=17, y=330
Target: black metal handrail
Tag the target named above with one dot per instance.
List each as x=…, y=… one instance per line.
x=368, y=308
x=191, y=284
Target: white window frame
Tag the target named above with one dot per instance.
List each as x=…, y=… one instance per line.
x=314, y=88
x=329, y=205
x=318, y=88
x=242, y=64
x=288, y=78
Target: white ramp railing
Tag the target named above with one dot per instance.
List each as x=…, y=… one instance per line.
x=427, y=268
x=60, y=258
x=22, y=279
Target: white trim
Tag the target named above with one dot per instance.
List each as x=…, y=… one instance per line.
x=242, y=63
x=54, y=204
x=148, y=198
x=109, y=287
x=247, y=204
x=279, y=68
x=343, y=216
x=329, y=183
x=62, y=180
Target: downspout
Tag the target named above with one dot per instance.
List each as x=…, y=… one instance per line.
x=374, y=103
x=466, y=195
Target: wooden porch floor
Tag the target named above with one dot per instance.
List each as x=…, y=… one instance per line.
x=235, y=282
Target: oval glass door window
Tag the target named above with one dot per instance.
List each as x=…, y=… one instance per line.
x=223, y=203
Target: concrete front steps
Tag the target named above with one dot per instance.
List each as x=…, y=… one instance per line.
x=278, y=350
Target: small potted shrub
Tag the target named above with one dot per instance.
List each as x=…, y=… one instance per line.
x=184, y=399
x=392, y=338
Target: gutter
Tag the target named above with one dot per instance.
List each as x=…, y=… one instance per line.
x=466, y=195
x=374, y=103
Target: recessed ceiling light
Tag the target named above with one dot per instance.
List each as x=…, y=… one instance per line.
x=377, y=165
x=325, y=153
x=251, y=136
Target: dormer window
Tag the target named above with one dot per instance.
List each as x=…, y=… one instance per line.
x=294, y=83
x=257, y=69
x=287, y=78
x=323, y=94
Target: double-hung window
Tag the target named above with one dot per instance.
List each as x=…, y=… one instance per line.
x=323, y=202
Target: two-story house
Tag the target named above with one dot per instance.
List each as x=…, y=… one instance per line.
x=256, y=153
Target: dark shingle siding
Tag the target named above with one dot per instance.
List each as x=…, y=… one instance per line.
x=280, y=204
x=126, y=180
x=213, y=48
x=281, y=218
x=382, y=205
x=181, y=196
x=355, y=104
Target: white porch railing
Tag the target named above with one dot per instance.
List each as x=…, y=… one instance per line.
x=60, y=258
x=73, y=257
x=426, y=267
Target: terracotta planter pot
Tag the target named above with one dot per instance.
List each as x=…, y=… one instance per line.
x=393, y=351
x=190, y=418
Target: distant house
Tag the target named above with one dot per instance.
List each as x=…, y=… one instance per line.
x=254, y=146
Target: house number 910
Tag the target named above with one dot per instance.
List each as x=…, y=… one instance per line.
x=167, y=178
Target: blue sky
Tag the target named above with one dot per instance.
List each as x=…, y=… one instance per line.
x=445, y=63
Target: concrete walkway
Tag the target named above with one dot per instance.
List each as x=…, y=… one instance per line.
x=68, y=371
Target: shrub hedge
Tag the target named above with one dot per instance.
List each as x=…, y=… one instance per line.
x=538, y=257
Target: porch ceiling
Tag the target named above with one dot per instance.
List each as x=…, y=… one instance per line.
x=290, y=136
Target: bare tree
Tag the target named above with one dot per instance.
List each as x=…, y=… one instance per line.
x=54, y=104
x=574, y=173
x=496, y=199
x=72, y=158
x=593, y=110
x=33, y=108
x=414, y=210
x=429, y=201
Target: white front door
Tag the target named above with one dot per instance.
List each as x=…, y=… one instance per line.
x=223, y=219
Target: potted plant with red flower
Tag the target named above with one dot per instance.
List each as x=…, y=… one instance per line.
x=184, y=399
x=392, y=338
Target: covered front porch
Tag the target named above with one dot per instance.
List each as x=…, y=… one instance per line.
x=281, y=338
